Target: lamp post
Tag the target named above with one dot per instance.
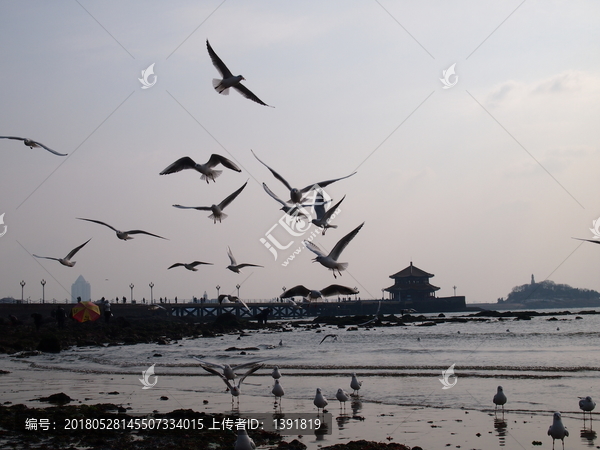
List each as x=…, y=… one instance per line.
x=43, y=291
x=151, y=297
x=131, y=287
x=22, y=283
x=454, y=287
x=218, y=289
x=237, y=286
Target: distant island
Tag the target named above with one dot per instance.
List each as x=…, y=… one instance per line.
x=549, y=294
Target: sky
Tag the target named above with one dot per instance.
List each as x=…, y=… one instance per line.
x=481, y=177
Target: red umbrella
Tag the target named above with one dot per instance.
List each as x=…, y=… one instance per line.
x=84, y=311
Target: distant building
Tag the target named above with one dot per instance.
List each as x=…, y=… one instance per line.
x=414, y=291
x=81, y=288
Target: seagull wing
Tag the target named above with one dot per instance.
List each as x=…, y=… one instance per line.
x=219, y=374
x=182, y=163
x=199, y=208
x=218, y=159
x=76, y=249
x=209, y=364
x=230, y=198
x=324, y=183
x=13, y=137
x=49, y=149
x=343, y=242
x=588, y=240
x=47, y=257
x=330, y=211
x=250, y=372
x=248, y=364
x=336, y=289
x=197, y=263
x=248, y=265
x=296, y=291
x=176, y=265
x=144, y=232
x=268, y=191
x=314, y=248
x=275, y=174
x=231, y=257
x=243, y=303
x=219, y=65
x=319, y=206
x=249, y=94
x=101, y=223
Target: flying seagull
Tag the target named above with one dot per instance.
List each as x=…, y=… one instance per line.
x=66, y=261
x=235, y=388
x=308, y=294
x=234, y=266
x=31, y=143
x=191, y=266
x=217, y=210
x=323, y=217
x=330, y=261
x=228, y=81
x=296, y=195
x=293, y=211
x=234, y=299
x=123, y=235
x=334, y=336
x=207, y=171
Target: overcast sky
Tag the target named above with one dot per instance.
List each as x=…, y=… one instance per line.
x=482, y=184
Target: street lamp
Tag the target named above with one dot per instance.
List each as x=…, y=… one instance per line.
x=218, y=289
x=454, y=287
x=131, y=287
x=43, y=291
x=237, y=286
x=151, y=297
x=22, y=283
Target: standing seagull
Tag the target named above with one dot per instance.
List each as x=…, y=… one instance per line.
x=323, y=217
x=217, y=210
x=296, y=195
x=234, y=266
x=587, y=404
x=330, y=261
x=191, y=266
x=123, y=235
x=557, y=430
x=309, y=295
x=234, y=388
x=499, y=399
x=207, y=171
x=228, y=81
x=243, y=441
x=355, y=384
x=342, y=397
x=66, y=261
x=31, y=143
x=278, y=391
x=320, y=401
x=276, y=374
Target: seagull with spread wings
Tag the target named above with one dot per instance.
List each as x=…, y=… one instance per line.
x=123, y=235
x=207, y=171
x=233, y=299
x=31, y=144
x=331, y=261
x=234, y=388
x=66, y=261
x=296, y=195
x=228, y=371
x=191, y=266
x=293, y=211
x=229, y=80
x=313, y=294
x=234, y=266
x=323, y=217
x=217, y=210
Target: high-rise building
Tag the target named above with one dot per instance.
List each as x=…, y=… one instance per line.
x=81, y=288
